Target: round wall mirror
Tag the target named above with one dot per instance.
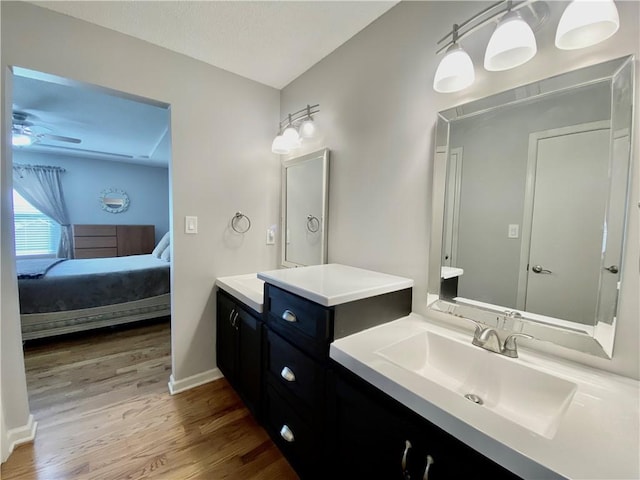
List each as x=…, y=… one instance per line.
x=114, y=200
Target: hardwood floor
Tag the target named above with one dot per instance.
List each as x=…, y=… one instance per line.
x=104, y=412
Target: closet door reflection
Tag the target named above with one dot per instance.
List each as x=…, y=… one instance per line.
x=564, y=219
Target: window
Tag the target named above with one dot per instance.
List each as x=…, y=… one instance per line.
x=36, y=234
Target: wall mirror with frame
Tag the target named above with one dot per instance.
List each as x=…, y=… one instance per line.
x=530, y=204
x=305, y=190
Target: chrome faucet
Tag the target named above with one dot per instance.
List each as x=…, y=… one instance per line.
x=488, y=338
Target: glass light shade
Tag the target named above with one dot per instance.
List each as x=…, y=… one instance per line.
x=21, y=140
x=512, y=44
x=291, y=138
x=280, y=146
x=587, y=22
x=308, y=129
x=455, y=71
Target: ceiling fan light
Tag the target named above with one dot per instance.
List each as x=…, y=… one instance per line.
x=280, y=146
x=512, y=44
x=21, y=139
x=587, y=22
x=455, y=71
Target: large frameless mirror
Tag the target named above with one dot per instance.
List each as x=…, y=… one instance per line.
x=530, y=202
x=305, y=184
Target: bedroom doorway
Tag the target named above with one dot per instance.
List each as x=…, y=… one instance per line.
x=92, y=203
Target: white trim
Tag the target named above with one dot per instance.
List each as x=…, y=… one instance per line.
x=19, y=435
x=178, y=386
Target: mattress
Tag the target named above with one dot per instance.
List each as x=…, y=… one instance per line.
x=95, y=282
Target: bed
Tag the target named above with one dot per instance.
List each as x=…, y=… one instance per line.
x=59, y=296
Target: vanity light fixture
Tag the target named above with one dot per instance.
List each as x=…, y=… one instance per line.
x=513, y=43
x=587, y=22
x=455, y=71
x=294, y=129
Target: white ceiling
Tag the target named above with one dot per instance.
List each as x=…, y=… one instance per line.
x=271, y=42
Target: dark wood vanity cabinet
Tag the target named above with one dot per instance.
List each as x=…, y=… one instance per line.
x=373, y=436
x=239, y=349
x=298, y=335
x=328, y=422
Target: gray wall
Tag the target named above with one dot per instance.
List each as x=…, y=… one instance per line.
x=378, y=112
x=216, y=170
x=494, y=170
x=85, y=178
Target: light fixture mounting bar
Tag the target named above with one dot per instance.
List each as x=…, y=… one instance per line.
x=508, y=6
x=292, y=118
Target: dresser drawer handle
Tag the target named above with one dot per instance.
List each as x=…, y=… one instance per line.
x=288, y=375
x=289, y=316
x=287, y=434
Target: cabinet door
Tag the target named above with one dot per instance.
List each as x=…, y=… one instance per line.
x=372, y=431
x=249, y=359
x=369, y=441
x=226, y=337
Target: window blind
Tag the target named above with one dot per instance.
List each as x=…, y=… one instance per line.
x=35, y=233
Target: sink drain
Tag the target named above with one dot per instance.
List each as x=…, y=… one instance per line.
x=474, y=398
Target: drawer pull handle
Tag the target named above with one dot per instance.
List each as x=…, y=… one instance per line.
x=287, y=434
x=289, y=316
x=288, y=375
x=407, y=447
x=430, y=462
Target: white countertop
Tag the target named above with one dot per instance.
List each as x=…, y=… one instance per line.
x=598, y=437
x=334, y=284
x=450, y=272
x=246, y=288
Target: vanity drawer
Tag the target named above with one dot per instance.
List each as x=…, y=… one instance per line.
x=297, y=319
x=294, y=436
x=299, y=374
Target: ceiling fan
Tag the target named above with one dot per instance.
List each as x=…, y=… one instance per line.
x=25, y=133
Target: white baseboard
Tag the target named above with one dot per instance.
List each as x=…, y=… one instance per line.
x=24, y=434
x=177, y=386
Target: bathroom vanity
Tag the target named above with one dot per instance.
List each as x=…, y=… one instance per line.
x=349, y=384
x=305, y=310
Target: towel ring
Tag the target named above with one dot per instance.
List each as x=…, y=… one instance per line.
x=313, y=224
x=238, y=217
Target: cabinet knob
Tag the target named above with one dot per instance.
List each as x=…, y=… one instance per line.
x=425, y=475
x=288, y=374
x=287, y=434
x=289, y=316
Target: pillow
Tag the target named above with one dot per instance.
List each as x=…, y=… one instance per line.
x=162, y=245
x=166, y=254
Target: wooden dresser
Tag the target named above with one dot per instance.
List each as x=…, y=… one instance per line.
x=97, y=241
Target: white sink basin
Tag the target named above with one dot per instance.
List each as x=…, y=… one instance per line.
x=533, y=399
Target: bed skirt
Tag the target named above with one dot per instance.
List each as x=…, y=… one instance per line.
x=40, y=325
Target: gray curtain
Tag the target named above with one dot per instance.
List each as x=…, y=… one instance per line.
x=40, y=185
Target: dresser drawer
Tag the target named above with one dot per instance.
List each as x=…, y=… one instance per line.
x=294, y=436
x=299, y=374
x=297, y=318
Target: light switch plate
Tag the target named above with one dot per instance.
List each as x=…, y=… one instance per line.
x=514, y=230
x=190, y=224
x=271, y=235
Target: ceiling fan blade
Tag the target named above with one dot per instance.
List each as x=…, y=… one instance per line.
x=59, y=138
